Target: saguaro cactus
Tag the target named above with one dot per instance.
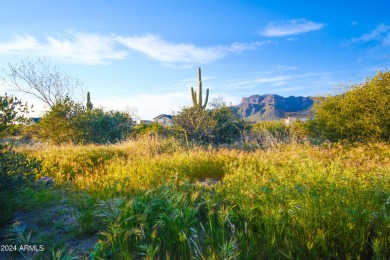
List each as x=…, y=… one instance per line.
x=89, y=104
x=197, y=100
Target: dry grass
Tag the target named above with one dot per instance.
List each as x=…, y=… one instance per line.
x=294, y=200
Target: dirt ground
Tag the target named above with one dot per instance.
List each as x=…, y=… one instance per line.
x=51, y=227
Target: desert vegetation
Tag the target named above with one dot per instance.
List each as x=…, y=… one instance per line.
x=210, y=187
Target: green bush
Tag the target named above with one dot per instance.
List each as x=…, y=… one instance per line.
x=155, y=129
x=70, y=122
x=359, y=114
x=12, y=113
x=98, y=126
x=62, y=123
x=275, y=128
x=218, y=126
x=15, y=168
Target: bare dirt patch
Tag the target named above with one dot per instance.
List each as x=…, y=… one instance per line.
x=53, y=227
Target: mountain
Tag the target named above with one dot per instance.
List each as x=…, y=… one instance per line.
x=270, y=106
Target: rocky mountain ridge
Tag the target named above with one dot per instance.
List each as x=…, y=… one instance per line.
x=270, y=106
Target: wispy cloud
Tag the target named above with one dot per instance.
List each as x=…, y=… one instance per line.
x=239, y=47
x=20, y=43
x=159, y=49
x=280, y=82
x=291, y=27
x=74, y=47
x=272, y=79
x=87, y=48
x=162, y=50
x=380, y=34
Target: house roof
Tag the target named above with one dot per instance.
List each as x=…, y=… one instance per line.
x=162, y=116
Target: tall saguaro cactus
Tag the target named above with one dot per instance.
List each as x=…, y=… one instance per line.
x=89, y=104
x=197, y=100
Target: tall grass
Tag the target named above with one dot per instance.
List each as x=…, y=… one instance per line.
x=291, y=201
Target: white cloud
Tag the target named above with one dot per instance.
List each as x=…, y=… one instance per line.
x=19, y=44
x=289, y=89
x=171, y=52
x=87, y=48
x=272, y=79
x=381, y=34
x=74, y=47
x=159, y=49
x=239, y=47
x=292, y=27
x=286, y=68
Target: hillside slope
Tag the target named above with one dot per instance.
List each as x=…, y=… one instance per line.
x=270, y=106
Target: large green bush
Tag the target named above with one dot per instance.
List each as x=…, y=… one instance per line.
x=359, y=114
x=218, y=126
x=62, y=122
x=70, y=122
x=12, y=113
x=99, y=126
x=15, y=168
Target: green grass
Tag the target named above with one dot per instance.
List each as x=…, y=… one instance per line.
x=291, y=201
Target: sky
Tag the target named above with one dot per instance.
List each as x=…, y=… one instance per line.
x=142, y=56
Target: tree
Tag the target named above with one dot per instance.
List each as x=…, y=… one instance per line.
x=359, y=114
x=41, y=79
x=12, y=112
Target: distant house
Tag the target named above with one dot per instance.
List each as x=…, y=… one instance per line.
x=164, y=120
x=290, y=117
x=143, y=122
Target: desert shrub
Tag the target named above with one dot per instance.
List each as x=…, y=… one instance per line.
x=299, y=130
x=359, y=114
x=102, y=127
x=15, y=168
x=62, y=122
x=196, y=124
x=275, y=128
x=156, y=130
x=228, y=127
x=12, y=114
x=70, y=122
x=218, y=126
x=267, y=134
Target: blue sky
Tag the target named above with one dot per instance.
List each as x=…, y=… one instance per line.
x=144, y=55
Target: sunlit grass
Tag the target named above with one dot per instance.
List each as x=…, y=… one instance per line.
x=294, y=200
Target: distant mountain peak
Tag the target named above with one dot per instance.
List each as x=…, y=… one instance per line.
x=270, y=106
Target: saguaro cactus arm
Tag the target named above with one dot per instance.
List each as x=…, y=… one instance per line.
x=193, y=95
x=207, y=98
x=197, y=100
x=89, y=104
